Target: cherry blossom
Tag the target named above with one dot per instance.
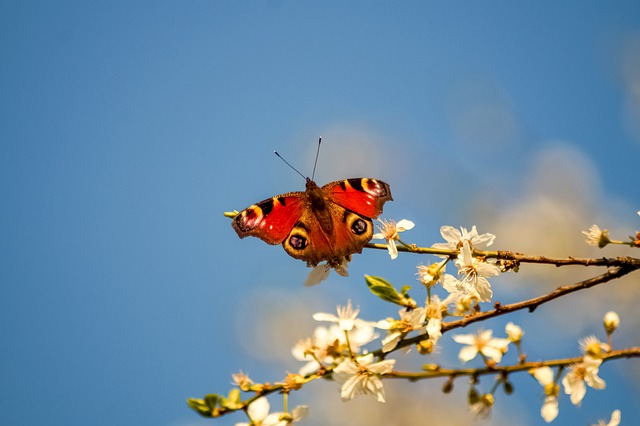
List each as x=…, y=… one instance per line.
x=389, y=230
x=361, y=376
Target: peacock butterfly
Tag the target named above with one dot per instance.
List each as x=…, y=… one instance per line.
x=327, y=223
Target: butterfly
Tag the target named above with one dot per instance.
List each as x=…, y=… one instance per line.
x=327, y=223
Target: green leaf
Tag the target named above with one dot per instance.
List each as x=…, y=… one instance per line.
x=211, y=400
x=232, y=402
x=383, y=289
x=200, y=406
x=405, y=289
x=234, y=398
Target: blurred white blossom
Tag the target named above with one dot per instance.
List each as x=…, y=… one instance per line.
x=321, y=272
x=397, y=329
x=258, y=412
x=514, y=332
x=482, y=342
x=582, y=374
x=615, y=420
x=596, y=237
x=545, y=376
x=483, y=406
x=346, y=317
x=329, y=346
x=611, y=321
x=593, y=347
x=360, y=376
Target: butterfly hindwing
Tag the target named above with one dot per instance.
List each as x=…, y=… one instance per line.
x=308, y=240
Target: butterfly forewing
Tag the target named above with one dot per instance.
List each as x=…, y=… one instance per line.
x=364, y=196
x=270, y=220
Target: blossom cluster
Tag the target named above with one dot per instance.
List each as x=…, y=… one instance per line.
x=340, y=349
x=341, y=346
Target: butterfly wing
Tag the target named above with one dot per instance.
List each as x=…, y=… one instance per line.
x=320, y=224
x=341, y=225
x=310, y=241
x=364, y=196
x=270, y=220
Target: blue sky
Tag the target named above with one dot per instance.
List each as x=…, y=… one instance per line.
x=127, y=128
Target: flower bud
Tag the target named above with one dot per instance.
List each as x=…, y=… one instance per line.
x=508, y=388
x=448, y=386
x=425, y=347
x=514, y=332
x=611, y=322
x=473, y=396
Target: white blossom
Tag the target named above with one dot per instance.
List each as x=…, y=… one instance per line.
x=611, y=321
x=242, y=381
x=361, y=376
x=474, y=273
x=593, y=347
x=615, y=420
x=483, y=406
x=432, y=274
x=482, y=342
x=397, y=329
x=389, y=230
x=582, y=374
x=545, y=376
x=435, y=309
x=514, y=332
x=329, y=345
x=258, y=412
x=596, y=237
x=454, y=238
x=321, y=272
x=346, y=317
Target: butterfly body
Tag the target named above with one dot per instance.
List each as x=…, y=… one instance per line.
x=320, y=224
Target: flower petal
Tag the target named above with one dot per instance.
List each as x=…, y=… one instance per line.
x=258, y=409
x=468, y=353
x=374, y=387
x=450, y=234
x=615, y=416
x=383, y=367
x=549, y=410
x=317, y=275
x=465, y=339
x=393, y=250
x=404, y=225
x=493, y=353
x=322, y=316
x=350, y=388
x=544, y=375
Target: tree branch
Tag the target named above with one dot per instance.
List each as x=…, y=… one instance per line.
x=521, y=258
x=633, y=352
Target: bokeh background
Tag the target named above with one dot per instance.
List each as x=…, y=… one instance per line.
x=128, y=128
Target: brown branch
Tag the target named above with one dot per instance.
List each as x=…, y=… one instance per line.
x=633, y=352
x=530, y=304
x=522, y=258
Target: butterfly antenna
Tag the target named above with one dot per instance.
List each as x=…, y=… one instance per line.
x=287, y=163
x=316, y=162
